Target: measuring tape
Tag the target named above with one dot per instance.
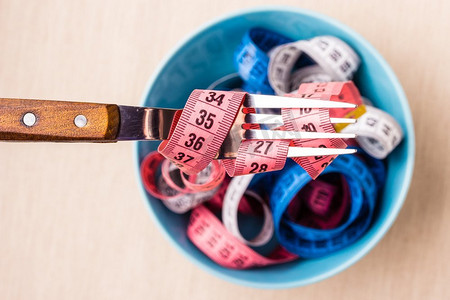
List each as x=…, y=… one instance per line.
x=307, y=74
x=174, y=195
x=334, y=61
x=236, y=189
x=208, y=116
x=309, y=218
x=257, y=156
x=378, y=133
x=318, y=120
x=214, y=240
x=201, y=129
x=303, y=209
x=308, y=242
x=252, y=58
x=246, y=206
x=376, y=166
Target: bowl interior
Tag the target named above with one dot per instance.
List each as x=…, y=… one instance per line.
x=208, y=55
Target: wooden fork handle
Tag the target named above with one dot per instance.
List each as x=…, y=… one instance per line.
x=54, y=121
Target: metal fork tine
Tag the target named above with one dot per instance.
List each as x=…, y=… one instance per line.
x=343, y=120
x=277, y=119
x=267, y=101
x=256, y=134
x=305, y=151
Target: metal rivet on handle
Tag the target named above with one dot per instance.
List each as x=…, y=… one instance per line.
x=80, y=121
x=29, y=119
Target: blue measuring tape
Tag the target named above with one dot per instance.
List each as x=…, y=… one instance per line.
x=252, y=60
x=375, y=165
x=312, y=243
x=364, y=175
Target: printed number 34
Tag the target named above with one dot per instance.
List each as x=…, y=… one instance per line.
x=214, y=97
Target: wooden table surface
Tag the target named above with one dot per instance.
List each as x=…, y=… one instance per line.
x=72, y=221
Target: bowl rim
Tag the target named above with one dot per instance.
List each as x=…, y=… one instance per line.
x=392, y=214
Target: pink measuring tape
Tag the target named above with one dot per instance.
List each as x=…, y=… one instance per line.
x=318, y=120
x=178, y=193
x=257, y=156
x=334, y=91
x=201, y=129
x=208, y=116
x=213, y=239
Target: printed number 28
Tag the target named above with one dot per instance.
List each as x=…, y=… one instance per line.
x=258, y=168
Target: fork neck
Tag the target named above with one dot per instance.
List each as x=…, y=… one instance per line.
x=145, y=123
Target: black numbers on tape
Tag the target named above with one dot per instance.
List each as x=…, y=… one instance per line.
x=322, y=44
x=212, y=241
x=239, y=261
x=195, y=142
x=335, y=55
x=325, y=164
x=257, y=168
x=371, y=121
x=260, y=144
x=320, y=88
x=224, y=252
x=305, y=111
x=319, y=157
x=182, y=155
x=386, y=130
x=199, y=230
x=206, y=119
x=345, y=66
x=214, y=97
x=306, y=95
x=309, y=127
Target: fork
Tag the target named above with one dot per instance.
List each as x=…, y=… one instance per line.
x=64, y=121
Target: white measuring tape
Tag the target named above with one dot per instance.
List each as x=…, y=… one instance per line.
x=236, y=189
x=335, y=60
x=181, y=203
x=378, y=133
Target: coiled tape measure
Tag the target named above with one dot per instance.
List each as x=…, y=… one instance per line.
x=311, y=243
x=309, y=218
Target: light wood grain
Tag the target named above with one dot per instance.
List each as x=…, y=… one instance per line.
x=72, y=222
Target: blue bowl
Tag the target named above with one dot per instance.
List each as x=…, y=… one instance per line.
x=208, y=55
